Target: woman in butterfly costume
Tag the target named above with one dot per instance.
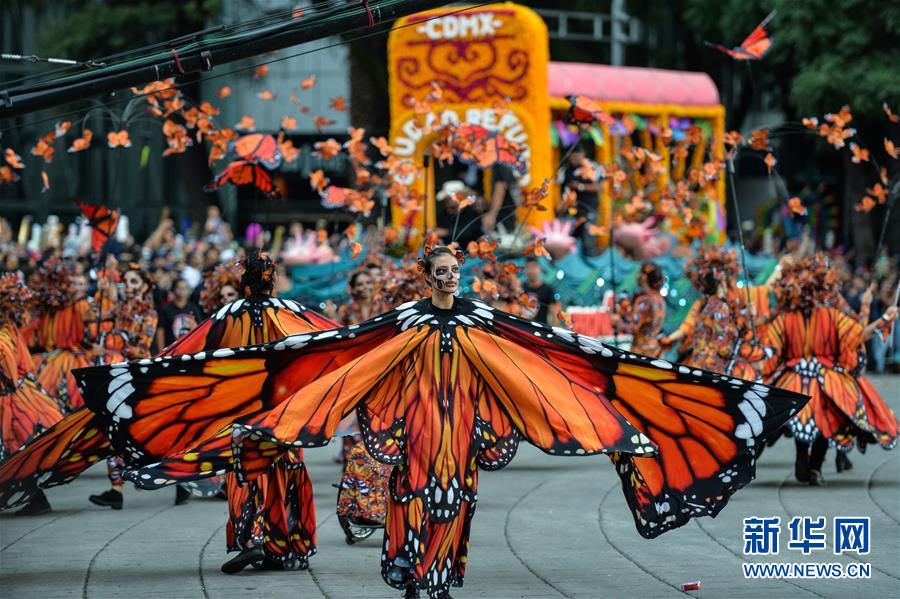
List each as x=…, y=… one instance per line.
x=59, y=333
x=817, y=351
x=362, y=494
x=645, y=317
x=125, y=331
x=272, y=520
x=441, y=387
x=25, y=408
x=718, y=331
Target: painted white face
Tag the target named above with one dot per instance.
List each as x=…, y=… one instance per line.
x=445, y=274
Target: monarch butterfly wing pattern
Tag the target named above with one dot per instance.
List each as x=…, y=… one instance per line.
x=559, y=413
x=103, y=222
x=288, y=512
x=498, y=438
x=758, y=42
x=261, y=179
x=292, y=317
x=310, y=417
x=705, y=427
x=258, y=147
x=212, y=457
x=157, y=407
x=55, y=457
x=201, y=337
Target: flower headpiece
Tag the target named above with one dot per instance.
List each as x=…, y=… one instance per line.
x=225, y=274
x=51, y=283
x=15, y=299
x=712, y=262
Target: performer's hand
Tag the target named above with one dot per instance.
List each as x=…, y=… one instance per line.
x=665, y=342
x=890, y=314
x=488, y=221
x=868, y=295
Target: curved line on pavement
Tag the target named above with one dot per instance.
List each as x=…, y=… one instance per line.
x=869, y=489
x=200, y=560
x=509, y=541
x=622, y=553
x=35, y=529
x=87, y=575
x=850, y=555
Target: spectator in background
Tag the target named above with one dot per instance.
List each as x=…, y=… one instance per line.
x=192, y=272
x=504, y=200
x=582, y=176
x=547, y=303
x=454, y=224
x=178, y=317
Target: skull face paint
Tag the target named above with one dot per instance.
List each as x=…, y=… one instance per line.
x=445, y=274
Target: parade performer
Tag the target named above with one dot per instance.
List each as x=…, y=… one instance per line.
x=25, y=408
x=880, y=418
x=129, y=335
x=63, y=309
x=272, y=520
x=277, y=507
x=816, y=351
x=717, y=333
x=646, y=313
x=442, y=386
x=362, y=494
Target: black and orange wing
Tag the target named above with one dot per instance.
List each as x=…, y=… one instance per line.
x=585, y=111
x=259, y=148
x=758, y=42
x=55, y=457
x=157, y=407
x=103, y=222
x=242, y=172
x=288, y=512
x=705, y=428
x=754, y=47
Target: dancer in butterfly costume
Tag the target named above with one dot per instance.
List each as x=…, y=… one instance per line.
x=717, y=334
x=441, y=387
x=647, y=311
x=59, y=331
x=817, y=351
x=271, y=520
x=25, y=408
x=124, y=330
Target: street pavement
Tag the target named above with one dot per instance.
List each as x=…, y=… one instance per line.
x=545, y=527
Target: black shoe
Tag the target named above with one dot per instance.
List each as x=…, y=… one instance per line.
x=411, y=592
x=36, y=507
x=111, y=498
x=816, y=479
x=801, y=467
x=243, y=559
x=182, y=495
x=842, y=462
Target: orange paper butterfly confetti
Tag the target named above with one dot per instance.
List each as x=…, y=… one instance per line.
x=118, y=139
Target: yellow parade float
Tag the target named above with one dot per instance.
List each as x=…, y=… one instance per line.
x=499, y=54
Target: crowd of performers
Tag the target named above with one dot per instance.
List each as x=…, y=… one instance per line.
x=426, y=389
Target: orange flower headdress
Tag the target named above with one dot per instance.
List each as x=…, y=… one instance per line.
x=712, y=262
x=15, y=299
x=226, y=274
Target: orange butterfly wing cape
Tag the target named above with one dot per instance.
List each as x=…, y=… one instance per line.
x=436, y=390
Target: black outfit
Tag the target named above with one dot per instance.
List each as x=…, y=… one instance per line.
x=586, y=207
x=504, y=174
x=544, y=295
x=174, y=322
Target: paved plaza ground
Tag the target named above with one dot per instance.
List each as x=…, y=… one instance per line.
x=545, y=527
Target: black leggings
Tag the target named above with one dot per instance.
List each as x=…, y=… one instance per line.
x=816, y=453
